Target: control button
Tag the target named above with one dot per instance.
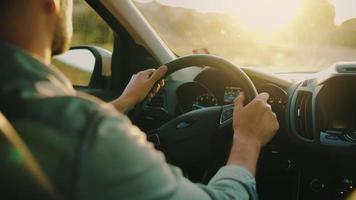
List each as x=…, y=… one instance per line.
x=226, y=114
x=287, y=164
x=343, y=187
x=316, y=185
x=182, y=125
x=331, y=137
x=347, y=184
x=347, y=181
x=334, y=132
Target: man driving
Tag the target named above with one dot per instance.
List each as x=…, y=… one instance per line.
x=86, y=147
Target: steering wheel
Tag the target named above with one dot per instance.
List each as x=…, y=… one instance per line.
x=202, y=138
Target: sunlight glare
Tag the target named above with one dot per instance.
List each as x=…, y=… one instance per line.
x=266, y=15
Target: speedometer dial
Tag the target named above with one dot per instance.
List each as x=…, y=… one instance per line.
x=278, y=97
x=204, y=100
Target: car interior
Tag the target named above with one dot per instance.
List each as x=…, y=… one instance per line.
x=312, y=156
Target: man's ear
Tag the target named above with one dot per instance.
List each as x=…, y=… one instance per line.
x=52, y=6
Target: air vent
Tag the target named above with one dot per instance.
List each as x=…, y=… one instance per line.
x=350, y=69
x=303, y=115
x=306, y=83
x=346, y=67
x=157, y=101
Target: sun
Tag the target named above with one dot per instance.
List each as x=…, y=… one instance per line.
x=266, y=15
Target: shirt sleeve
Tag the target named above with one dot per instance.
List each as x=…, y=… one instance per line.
x=118, y=163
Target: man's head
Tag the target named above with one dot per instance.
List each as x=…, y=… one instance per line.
x=37, y=25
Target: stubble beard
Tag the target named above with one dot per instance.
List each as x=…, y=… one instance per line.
x=63, y=31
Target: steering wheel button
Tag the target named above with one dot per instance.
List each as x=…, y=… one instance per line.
x=331, y=137
x=228, y=113
x=316, y=185
x=182, y=125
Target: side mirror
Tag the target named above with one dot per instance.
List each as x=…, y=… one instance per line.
x=86, y=66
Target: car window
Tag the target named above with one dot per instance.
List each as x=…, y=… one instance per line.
x=89, y=29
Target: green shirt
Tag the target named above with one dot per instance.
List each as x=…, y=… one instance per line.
x=89, y=150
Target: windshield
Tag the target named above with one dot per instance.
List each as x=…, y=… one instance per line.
x=279, y=35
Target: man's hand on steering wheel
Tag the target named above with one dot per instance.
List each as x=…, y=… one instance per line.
x=142, y=85
x=254, y=126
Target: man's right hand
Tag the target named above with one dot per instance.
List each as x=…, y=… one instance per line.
x=254, y=125
x=255, y=121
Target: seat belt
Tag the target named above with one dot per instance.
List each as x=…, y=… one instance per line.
x=10, y=134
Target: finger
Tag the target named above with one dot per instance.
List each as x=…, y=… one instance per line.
x=133, y=77
x=156, y=89
x=274, y=115
x=161, y=83
x=239, y=101
x=263, y=96
x=149, y=71
x=146, y=73
x=150, y=96
x=159, y=73
x=269, y=107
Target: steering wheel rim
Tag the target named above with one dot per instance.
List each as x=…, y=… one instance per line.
x=227, y=67
x=202, y=129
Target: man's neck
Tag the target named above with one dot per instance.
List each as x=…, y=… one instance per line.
x=32, y=42
x=40, y=52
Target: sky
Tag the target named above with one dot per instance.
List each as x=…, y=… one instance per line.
x=345, y=9
x=269, y=13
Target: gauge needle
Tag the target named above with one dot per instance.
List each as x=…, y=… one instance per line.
x=197, y=106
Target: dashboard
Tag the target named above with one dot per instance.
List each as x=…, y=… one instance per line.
x=337, y=112
x=322, y=112
x=194, y=96
x=317, y=110
x=211, y=88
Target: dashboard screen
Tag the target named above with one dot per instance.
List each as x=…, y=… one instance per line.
x=337, y=108
x=342, y=113
x=231, y=93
